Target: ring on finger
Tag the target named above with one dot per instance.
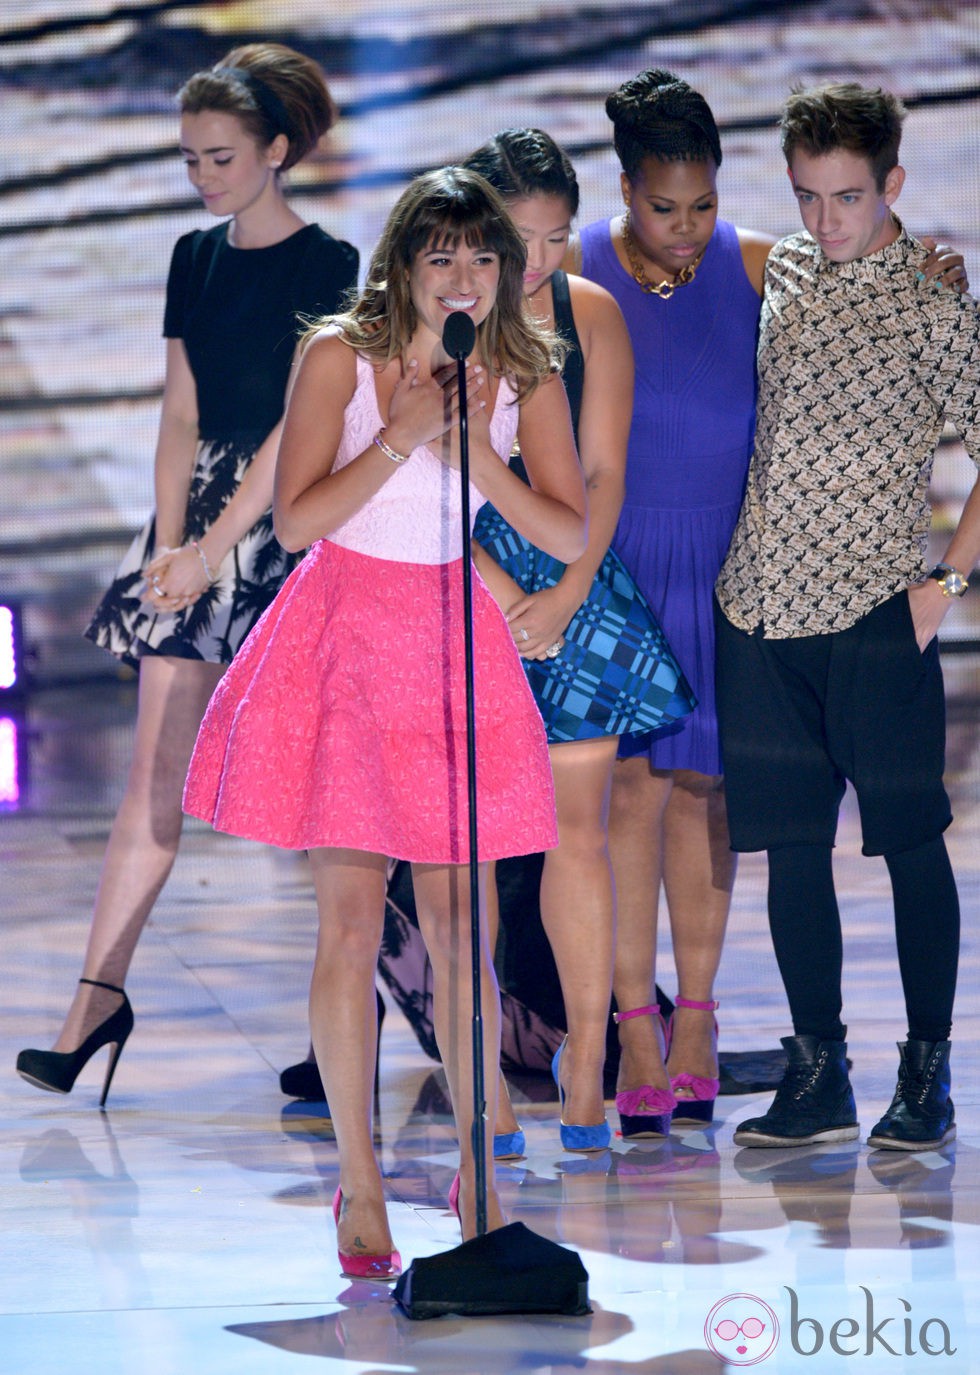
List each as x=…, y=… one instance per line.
x=554, y=650
x=524, y=634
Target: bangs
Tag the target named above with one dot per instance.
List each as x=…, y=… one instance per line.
x=468, y=218
x=450, y=236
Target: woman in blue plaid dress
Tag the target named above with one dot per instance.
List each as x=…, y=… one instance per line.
x=585, y=708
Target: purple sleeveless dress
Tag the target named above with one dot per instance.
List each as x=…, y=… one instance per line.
x=689, y=449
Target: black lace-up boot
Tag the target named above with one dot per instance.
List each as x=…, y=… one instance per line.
x=920, y=1117
x=813, y=1103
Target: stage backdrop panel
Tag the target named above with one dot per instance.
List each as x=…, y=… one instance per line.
x=93, y=194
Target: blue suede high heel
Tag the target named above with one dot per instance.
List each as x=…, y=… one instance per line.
x=509, y=1145
x=595, y=1138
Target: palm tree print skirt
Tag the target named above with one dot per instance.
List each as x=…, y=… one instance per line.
x=247, y=581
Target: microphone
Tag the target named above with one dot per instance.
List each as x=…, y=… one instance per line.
x=459, y=335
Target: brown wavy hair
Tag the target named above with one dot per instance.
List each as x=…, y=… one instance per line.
x=844, y=115
x=443, y=208
x=272, y=89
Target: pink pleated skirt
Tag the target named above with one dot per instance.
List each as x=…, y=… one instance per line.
x=342, y=720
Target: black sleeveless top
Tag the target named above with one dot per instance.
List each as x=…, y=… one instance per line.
x=239, y=312
x=573, y=373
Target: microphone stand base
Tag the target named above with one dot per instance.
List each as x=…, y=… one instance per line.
x=509, y=1270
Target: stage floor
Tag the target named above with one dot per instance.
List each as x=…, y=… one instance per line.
x=186, y=1229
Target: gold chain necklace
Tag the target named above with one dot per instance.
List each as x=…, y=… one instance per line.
x=662, y=289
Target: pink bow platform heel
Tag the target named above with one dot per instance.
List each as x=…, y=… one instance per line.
x=646, y=1111
x=695, y=1095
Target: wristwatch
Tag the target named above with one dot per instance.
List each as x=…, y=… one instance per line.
x=951, y=581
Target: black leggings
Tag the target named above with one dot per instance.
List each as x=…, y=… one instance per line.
x=806, y=934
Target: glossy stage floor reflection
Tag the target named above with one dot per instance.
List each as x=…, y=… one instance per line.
x=187, y=1228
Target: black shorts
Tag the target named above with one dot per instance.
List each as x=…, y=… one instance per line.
x=800, y=717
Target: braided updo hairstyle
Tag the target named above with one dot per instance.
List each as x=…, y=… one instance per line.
x=657, y=115
x=272, y=89
x=519, y=163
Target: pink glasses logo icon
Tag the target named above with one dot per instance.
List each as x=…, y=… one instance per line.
x=741, y=1330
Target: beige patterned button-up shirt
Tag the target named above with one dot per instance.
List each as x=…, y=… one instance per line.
x=859, y=367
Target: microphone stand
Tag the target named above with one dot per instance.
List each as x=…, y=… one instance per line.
x=461, y=340
x=512, y=1269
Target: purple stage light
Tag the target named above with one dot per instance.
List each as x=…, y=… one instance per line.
x=9, y=763
x=11, y=651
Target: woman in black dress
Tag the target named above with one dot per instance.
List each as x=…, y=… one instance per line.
x=207, y=563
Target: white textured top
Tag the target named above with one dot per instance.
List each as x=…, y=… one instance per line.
x=416, y=517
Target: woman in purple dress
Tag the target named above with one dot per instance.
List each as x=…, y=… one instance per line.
x=689, y=285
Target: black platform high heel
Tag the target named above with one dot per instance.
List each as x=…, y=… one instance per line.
x=57, y=1070
x=303, y=1079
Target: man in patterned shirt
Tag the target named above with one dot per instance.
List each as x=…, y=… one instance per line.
x=828, y=663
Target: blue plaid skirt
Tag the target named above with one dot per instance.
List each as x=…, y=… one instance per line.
x=616, y=674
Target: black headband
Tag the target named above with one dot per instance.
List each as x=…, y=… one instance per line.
x=264, y=96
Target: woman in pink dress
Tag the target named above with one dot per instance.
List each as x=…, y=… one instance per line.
x=340, y=726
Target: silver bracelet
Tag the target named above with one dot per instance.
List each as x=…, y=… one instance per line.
x=387, y=450
x=211, y=577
